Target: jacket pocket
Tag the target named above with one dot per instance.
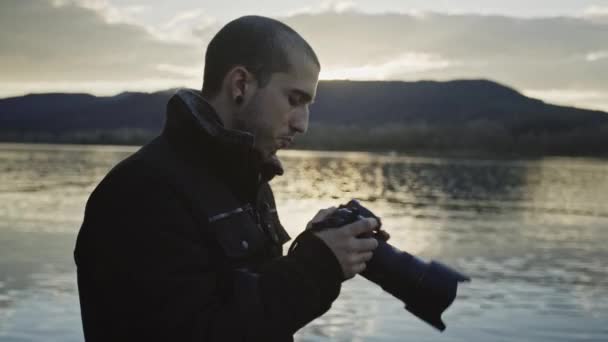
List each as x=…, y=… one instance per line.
x=271, y=218
x=237, y=233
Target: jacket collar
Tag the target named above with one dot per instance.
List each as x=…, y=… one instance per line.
x=198, y=135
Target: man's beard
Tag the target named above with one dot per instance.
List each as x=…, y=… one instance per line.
x=269, y=162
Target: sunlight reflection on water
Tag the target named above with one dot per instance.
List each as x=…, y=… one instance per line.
x=531, y=234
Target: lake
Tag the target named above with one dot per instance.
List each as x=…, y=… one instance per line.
x=532, y=234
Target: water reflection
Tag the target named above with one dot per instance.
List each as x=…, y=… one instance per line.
x=42, y=194
x=531, y=233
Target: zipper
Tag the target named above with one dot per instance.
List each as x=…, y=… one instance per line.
x=247, y=207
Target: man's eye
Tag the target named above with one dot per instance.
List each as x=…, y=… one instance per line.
x=293, y=101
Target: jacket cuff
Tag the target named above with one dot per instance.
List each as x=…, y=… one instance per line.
x=318, y=261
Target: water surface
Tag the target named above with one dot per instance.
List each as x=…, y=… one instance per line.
x=532, y=235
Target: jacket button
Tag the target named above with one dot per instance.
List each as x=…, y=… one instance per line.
x=244, y=244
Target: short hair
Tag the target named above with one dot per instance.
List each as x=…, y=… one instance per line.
x=257, y=43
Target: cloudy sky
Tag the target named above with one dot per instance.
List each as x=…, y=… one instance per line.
x=556, y=50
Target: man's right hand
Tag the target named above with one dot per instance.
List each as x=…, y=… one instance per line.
x=351, y=252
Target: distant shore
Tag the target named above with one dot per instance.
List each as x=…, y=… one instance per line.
x=458, y=117
x=477, y=141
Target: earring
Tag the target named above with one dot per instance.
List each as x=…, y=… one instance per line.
x=239, y=100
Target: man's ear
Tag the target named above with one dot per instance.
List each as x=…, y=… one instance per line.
x=240, y=83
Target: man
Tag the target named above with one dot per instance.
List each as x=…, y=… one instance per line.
x=181, y=241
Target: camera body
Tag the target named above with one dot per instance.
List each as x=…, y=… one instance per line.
x=426, y=289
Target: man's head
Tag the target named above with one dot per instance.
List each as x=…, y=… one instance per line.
x=261, y=76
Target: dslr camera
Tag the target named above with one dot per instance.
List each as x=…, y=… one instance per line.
x=426, y=289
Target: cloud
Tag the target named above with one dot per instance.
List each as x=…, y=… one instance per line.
x=178, y=70
x=182, y=17
x=91, y=43
x=596, y=56
x=177, y=29
x=595, y=14
x=526, y=53
x=335, y=6
x=74, y=41
x=111, y=14
x=407, y=63
x=595, y=11
x=97, y=87
x=185, y=26
x=571, y=97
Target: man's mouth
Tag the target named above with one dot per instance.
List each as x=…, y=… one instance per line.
x=285, y=142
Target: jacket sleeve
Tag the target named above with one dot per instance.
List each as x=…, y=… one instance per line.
x=144, y=273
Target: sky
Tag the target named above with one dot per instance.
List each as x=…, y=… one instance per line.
x=555, y=50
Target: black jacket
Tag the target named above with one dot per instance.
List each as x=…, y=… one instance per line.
x=181, y=242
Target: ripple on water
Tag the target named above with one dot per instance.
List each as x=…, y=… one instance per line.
x=531, y=234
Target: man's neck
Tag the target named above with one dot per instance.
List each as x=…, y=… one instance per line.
x=222, y=109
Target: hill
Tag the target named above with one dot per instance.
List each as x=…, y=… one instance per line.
x=472, y=115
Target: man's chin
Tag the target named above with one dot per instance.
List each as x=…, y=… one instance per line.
x=275, y=164
x=271, y=165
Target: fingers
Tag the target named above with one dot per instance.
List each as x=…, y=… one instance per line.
x=323, y=213
x=351, y=246
x=363, y=245
x=383, y=235
x=361, y=257
x=320, y=216
x=354, y=270
x=356, y=263
x=365, y=225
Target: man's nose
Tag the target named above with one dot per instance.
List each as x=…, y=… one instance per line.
x=299, y=120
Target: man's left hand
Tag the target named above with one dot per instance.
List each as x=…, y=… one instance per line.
x=320, y=216
x=323, y=213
